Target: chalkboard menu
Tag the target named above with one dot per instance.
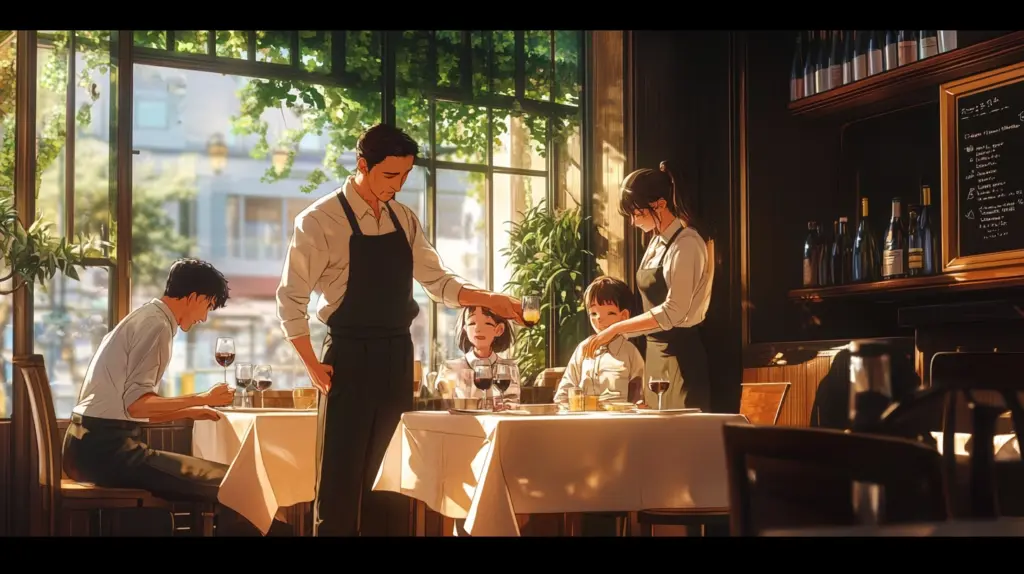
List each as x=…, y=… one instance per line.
x=990, y=170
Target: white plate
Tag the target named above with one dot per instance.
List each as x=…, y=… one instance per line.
x=666, y=412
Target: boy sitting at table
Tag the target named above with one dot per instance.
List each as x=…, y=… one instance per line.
x=615, y=370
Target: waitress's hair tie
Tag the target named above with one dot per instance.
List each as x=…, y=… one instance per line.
x=663, y=166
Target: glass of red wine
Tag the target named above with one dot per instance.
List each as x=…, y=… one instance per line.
x=243, y=380
x=224, y=354
x=483, y=379
x=502, y=379
x=263, y=377
x=658, y=386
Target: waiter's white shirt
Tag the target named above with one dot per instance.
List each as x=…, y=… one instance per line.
x=610, y=372
x=318, y=258
x=129, y=363
x=687, y=272
x=466, y=363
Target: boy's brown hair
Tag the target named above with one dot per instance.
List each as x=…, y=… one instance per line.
x=607, y=290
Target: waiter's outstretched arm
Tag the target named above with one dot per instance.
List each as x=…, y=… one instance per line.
x=446, y=287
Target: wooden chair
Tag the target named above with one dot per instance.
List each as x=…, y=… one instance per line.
x=59, y=494
x=761, y=403
x=978, y=387
x=787, y=477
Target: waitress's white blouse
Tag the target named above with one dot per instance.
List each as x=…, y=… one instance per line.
x=687, y=272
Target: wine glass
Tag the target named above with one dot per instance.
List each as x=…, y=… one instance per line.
x=263, y=377
x=502, y=379
x=531, y=310
x=243, y=380
x=483, y=378
x=658, y=386
x=224, y=353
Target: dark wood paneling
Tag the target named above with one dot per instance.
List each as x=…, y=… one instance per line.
x=5, y=477
x=686, y=110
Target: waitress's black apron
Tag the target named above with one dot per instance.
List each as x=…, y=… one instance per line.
x=677, y=354
x=370, y=348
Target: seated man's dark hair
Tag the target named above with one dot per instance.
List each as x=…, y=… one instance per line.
x=384, y=140
x=196, y=277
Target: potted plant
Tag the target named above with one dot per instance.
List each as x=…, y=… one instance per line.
x=547, y=256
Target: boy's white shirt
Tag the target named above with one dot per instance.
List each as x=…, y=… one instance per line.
x=621, y=364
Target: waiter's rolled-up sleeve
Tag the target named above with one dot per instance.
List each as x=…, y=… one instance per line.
x=683, y=270
x=303, y=266
x=440, y=283
x=149, y=349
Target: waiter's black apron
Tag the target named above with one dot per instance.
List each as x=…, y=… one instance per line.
x=678, y=353
x=370, y=348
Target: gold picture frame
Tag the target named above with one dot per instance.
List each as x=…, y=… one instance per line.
x=949, y=94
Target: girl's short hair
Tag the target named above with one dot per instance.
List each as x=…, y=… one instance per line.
x=501, y=343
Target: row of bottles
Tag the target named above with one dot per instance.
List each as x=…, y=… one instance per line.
x=908, y=248
x=824, y=60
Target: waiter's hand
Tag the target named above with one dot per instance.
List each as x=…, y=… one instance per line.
x=591, y=345
x=320, y=375
x=507, y=307
x=219, y=395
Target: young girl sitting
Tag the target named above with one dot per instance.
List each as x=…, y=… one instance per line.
x=481, y=336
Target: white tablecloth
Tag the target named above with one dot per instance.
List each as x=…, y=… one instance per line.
x=272, y=455
x=486, y=469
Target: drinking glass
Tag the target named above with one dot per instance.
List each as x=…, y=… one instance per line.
x=224, y=353
x=531, y=310
x=483, y=379
x=502, y=379
x=243, y=380
x=659, y=386
x=304, y=396
x=263, y=378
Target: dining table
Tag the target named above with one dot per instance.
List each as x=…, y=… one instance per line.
x=486, y=468
x=271, y=453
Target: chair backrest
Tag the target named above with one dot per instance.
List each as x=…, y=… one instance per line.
x=761, y=403
x=550, y=377
x=788, y=477
x=48, y=444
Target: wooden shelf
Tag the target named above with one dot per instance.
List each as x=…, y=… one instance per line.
x=963, y=281
x=915, y=83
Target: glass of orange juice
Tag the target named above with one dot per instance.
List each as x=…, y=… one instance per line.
x=304, y=397
x=531, y=310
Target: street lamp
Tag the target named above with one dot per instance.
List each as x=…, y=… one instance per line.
x=279, y=160
x=218, y=153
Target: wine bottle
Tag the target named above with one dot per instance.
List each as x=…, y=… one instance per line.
x=926, y=230
x=907, y=47
x=865, y=248
x=894, y=251
x=835, y=60
x=915, y=249
x=848, y=55
x=825, y=268
x=947, y=41
x=821, y=75
x=928, y=44
x=810, y=65
x=842, y=252
x=812, y=252
x=860, y=55
x=876, y=48
x=796, y=75
x=892, y=54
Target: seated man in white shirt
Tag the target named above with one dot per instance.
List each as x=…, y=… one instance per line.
x=617, y=371
x=103, y=444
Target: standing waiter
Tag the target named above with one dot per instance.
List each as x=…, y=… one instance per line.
x=360, y=251
x=674, y=280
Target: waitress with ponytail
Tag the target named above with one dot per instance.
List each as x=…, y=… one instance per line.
x=674, y=280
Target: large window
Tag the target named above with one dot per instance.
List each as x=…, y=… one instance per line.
x=224, y=159
x=8, y=112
